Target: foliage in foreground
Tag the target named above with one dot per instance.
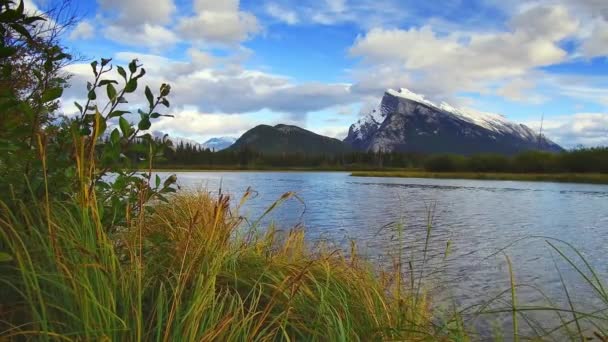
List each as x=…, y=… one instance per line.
x=186, y=272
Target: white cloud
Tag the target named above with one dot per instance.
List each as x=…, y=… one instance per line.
x=596, y=43
x=83, y=30
x=446, y=64
x=338, y=132
x=189, y=122
x=155, y=37
x=282, y=14
x=586, y=129
x=137, y=12
x=218, y=22
x=225, y=89
x=521, y=90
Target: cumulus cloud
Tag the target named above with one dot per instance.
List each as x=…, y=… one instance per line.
x=470, y=61
x=152, y=36
x=596, y=43
x=189, y=122
x=520, y=89
x=83, y=30
x=338, y=132
x=282, y=14
x=136, y=12
x=208, y=85
x=218, y=22
x=586, y=129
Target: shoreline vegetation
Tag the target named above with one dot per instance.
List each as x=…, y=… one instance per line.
x=87, y=258
x=585, y=178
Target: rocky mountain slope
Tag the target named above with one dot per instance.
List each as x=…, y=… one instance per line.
x=407, y=122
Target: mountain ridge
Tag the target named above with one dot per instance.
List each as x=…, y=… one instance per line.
x=407, y=122
x=284, y=138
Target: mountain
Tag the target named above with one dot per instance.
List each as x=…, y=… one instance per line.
x=176, y=140
x=218, y=144
x=287, y=139
x=407, y=122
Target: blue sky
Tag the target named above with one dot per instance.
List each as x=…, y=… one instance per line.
x=319, y=64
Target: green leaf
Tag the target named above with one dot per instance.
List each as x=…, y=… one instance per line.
x=9, y=15
x=118, y=113
x=165, y=89
x=78, y=106
x=105, y=61
x=169, y=181
x=125, y=126
x=115, y=136
x=131, y=86
x=94, y=67
x=157, y=181
x=154, y=115
x=92, y=95
x=149, y=96
x=21, y=7
x=85, y=131
x=31, y=20
x=133, y=66
x=144, y=124
x=142, y=72
x=51, y=94
x=164, y=102
x=6, y=51
x=104, y=82
x=111, y=92
x=122, y=72
x=5, y=257
x=22, y=30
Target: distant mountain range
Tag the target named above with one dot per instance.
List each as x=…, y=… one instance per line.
x=214, y=144
x=402, y=122
x=405, y=121
x=218, y=144
x=288, y=139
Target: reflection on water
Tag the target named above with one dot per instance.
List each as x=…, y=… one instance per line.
x=478, y=217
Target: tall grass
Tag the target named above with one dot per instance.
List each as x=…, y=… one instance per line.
x=191, y=270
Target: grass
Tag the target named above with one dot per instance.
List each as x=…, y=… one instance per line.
x=190, y=270
x=591, y=178
x=193, y=269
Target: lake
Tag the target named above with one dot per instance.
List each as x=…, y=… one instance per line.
x=482, y=221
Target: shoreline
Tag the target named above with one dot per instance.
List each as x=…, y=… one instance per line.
x=581, y=178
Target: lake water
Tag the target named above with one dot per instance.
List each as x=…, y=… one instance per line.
x=479, y=219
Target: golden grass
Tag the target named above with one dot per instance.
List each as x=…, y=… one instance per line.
x=191, y=269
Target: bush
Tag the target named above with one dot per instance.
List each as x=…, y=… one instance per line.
x=445, y=163
x=488, y=163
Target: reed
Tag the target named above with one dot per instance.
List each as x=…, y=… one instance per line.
x=192, y=269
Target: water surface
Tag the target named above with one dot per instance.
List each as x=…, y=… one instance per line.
x=479, y=218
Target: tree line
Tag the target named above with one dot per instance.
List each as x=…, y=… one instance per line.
x=581, y=160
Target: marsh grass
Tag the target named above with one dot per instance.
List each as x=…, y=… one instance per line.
x=191, y=269
x=591, y=178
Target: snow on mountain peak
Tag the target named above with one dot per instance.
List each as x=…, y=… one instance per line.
x=491, y=121
x=410, y=95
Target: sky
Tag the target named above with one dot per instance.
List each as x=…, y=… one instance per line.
x=321, y=64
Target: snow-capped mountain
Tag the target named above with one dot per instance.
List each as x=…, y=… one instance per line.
x=408, y=122
x=218, y=144
x=176, y=140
